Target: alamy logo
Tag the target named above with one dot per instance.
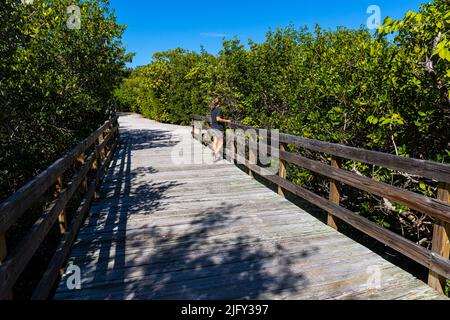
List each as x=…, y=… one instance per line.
x=73, y=12
x=74, y=19
x=374, y=20
x=374, y=280
x=73, y=277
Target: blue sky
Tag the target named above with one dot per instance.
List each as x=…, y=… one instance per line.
x=161, y=25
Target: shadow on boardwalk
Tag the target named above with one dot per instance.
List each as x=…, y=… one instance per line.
x=164, y=259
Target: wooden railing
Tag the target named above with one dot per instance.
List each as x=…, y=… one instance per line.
x=79, y=172
x=436, y=260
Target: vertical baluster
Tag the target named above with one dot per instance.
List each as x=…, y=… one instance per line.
x=62, y=218
x=252, y=150
x=282, y=172
x=230, y=146
x=3, y=248
x=3, y=255
x=8, y=295
x=101, y=138
x=335, y=195
x=440, y=241
x=94, y=167
x=81, y=160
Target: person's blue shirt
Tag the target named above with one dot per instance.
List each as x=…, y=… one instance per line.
x=217, y=112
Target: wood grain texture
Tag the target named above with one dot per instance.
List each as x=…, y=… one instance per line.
x=62, y=218
x=166, y=230
x=428, y=169
x=335, y=195
x=441, y=241
x=282, y=170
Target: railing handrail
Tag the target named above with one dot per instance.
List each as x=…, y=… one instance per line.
x=424, y=168
x=436, y=260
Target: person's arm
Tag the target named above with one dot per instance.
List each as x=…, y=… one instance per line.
x=220, y=119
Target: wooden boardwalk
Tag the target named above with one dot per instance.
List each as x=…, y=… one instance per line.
x=161, y=230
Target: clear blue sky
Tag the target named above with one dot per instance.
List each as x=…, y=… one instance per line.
x=161, y=25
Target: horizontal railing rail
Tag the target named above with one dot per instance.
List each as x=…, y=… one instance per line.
x=436, y=259
x=427, y=169
x=92, y=155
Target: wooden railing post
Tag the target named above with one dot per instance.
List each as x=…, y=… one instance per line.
x=3, y=248
x=234, y=147
x=3, y=254
x=105, y=135
x=282, y=171
x=440, y=241
x=81, y=160
x=62, y=219
x=8, y=295
x=197, y=131
x=335, y=196
x=101, y=138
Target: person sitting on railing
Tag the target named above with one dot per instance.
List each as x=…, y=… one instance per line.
x=217, y=130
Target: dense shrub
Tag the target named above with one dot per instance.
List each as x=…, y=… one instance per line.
x=56, y=83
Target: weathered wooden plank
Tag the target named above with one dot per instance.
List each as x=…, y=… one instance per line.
x=281, y=253
x=167, y=220
x=282, y=170
x=104, y=213
x=441, y=241
x=62, y=219
x=222, y=238
x=197, y=200
x=172, y=248
x=142, y=267
x=3, y=249
x=192, y=231
x=335, y=195
x=172, y=252
x=210, y=276
x=240, y=278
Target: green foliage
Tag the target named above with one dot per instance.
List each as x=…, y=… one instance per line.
x=56, y=83
x=420, y=70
